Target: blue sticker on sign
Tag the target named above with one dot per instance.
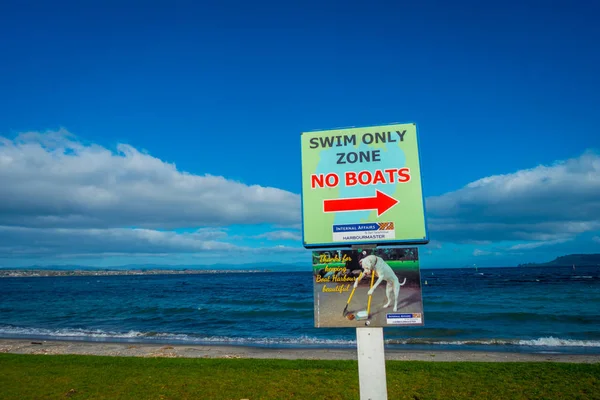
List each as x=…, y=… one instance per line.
x=404, y=319
x=355, y=227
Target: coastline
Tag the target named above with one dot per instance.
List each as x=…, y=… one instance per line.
x=60, y=347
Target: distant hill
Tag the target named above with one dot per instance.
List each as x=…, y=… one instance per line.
x=579, y=260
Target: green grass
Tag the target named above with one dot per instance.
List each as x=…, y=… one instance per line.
x=396, y=264
x=96, y=377
x=403, y=264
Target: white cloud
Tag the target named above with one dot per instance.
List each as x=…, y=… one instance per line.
x=477, y=242
x=60, y=197
x=52, y=180
x=53, y=241
x=535, y=245
x=79, y=242
x=280, y=235
x=479, y=252
x=434, y=244
x=545, y=203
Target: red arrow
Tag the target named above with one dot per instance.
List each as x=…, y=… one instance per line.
x=381, y=202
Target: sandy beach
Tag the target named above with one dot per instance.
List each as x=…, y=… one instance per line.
x=50, y=347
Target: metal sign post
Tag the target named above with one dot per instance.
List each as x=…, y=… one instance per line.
x=371, y=364
x=372, y=380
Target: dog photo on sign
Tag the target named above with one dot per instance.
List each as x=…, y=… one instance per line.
x=369, y=287
x=373, y=264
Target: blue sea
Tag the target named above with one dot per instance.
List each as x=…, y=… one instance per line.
x=539, y=310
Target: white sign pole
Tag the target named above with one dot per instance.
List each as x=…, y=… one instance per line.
x=371, y=364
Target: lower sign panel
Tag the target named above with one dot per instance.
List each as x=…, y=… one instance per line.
x=371, y=287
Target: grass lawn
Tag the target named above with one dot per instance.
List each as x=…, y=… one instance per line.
x=96, y=377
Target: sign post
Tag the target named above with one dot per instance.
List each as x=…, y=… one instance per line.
x=371, y=363
x=361, y=188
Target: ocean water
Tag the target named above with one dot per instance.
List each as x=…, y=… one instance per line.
x=492, y=309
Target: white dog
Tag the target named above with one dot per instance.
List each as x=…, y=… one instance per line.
x=384, y=273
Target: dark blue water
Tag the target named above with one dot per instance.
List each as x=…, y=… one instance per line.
x=499, y=309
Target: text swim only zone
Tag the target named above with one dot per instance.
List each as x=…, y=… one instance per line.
x=369, y=169
x=346, y=140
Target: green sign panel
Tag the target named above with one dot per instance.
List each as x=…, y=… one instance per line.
x=362, y=186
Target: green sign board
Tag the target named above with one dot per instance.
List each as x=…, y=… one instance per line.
x=362, y=186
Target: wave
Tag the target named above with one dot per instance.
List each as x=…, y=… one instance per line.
x=300, y=341
x=72, y=332
x=557, y=342
x=540, y=342
x=76, y=333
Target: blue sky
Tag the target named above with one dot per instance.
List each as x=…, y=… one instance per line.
x=169, y=133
